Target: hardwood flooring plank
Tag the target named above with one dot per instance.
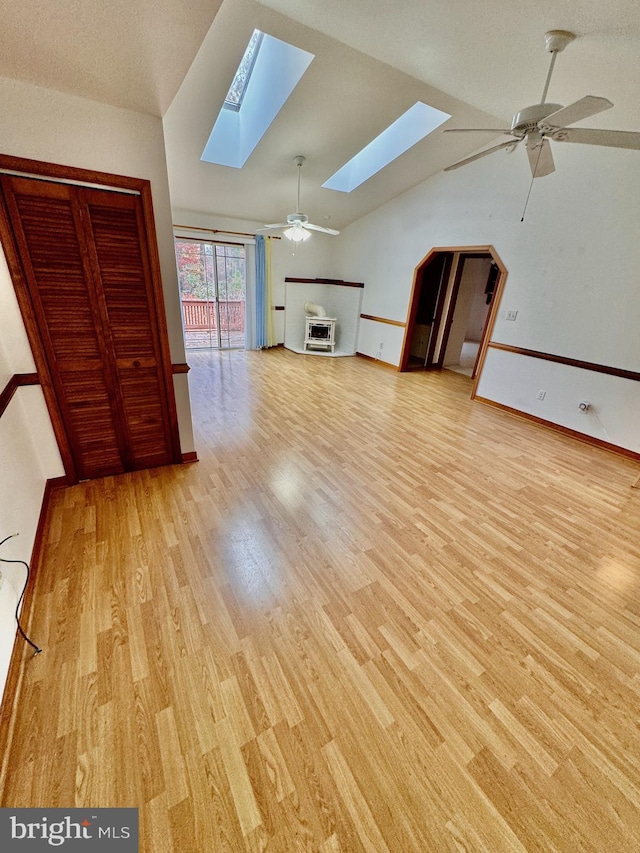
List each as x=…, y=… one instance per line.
x=357, y=807
x=244, y=798
x=171, y=758
x=374, y=616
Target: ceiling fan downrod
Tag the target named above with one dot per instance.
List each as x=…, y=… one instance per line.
x=299, y=160
x=555, y=42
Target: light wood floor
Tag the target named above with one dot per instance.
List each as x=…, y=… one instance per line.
x=374, y=617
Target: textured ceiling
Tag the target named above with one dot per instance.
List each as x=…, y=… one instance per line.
x=491, y=54
x=480, y=62
x=131, y=53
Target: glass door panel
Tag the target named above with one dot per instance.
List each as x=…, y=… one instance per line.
x=231, y=277
x=212, y=293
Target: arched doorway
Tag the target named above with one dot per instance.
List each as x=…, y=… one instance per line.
x=446, y=301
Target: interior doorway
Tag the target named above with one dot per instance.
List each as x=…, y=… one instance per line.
x=455, y=295
x=469, y=312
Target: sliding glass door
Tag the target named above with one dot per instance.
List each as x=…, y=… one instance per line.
x=212, y=278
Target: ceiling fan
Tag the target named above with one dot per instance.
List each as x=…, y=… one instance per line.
x=297, y=225
x=536, y=124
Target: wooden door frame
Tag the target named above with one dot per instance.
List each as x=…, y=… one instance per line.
x=493, y=309
x=55, y=172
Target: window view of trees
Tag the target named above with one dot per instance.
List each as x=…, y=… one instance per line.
x=212, y=291
x=195, y=269
x=240, y=81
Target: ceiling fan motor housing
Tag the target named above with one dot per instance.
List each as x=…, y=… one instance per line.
x=297, y=219
x=528, y=118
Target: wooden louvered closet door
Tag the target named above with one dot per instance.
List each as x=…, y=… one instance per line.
x=84, y=266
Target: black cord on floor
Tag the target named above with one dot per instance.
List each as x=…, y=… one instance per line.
x=26, y=565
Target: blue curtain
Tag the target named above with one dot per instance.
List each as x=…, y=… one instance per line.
x=261, y=306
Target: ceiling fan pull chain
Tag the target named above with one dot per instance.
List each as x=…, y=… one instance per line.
x=533, y=177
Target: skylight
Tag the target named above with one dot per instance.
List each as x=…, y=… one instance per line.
x=268, y=73
x=411, y=127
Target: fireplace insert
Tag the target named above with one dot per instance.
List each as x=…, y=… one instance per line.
x=320, y=333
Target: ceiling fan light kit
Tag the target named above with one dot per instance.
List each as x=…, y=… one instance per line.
x=296, y=233
x=537, y=124
x=297, y=226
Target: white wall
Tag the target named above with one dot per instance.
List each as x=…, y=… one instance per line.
x=614, y=414
x=572, y=269
x=29, y=456
x=379, y=340
x=42, y=124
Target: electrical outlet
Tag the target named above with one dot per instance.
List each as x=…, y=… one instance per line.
x=542, y=395
x=511, y=315
x=381, y=347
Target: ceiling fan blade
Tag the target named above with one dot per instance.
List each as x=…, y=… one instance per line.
x=275, y=225
x=610, y=138
x=476, y=130
x=511, y=144
x=590, y=105
x=320, y=228
x=540, y=156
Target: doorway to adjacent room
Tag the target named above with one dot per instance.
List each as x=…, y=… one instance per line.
x=456, y=292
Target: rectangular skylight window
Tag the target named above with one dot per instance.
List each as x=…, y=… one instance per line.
x=411, y=127
x=268, y=73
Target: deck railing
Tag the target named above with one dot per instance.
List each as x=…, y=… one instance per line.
x=199, y=314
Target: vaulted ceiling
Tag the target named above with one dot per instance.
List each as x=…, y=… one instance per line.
x=173, y=58
x=343, y=101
